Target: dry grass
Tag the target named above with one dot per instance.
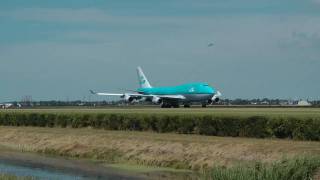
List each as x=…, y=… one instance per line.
x=317, y=175
x=13, y=177
x=166, y=150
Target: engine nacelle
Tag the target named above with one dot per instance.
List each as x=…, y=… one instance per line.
x=215, y=98
x=156, y=100
x=128, y=98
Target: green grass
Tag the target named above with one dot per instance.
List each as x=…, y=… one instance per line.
x=275, y=112
x=289, y=169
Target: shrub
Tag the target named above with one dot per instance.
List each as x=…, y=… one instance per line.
x=253, y=126
x=205, y=127
x=185, y=124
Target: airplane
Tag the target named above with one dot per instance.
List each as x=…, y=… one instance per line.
x=168, y=97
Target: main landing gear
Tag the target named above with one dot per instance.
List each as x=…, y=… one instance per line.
x=169, y=105
x=176, y=105
x=186, y=106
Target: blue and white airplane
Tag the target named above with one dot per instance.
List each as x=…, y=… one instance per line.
x=168, y=97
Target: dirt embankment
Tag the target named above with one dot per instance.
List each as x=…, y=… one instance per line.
x=167, y=150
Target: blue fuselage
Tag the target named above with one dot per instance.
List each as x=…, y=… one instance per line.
x=192, y=92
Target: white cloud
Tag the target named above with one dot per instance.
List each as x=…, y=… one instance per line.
x=58, y=15
x=83, y=15
x=316, y=1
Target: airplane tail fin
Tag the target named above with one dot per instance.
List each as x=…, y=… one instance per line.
x=143, y=81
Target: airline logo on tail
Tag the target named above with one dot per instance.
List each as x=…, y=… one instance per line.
x=143, y=81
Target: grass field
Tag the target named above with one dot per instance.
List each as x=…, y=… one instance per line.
x=216, y=157
x=153, y=149
x=222, y=157
x=282, y=112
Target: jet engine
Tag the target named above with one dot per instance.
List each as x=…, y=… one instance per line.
x=215, y=98
x=156, y=100
x=128, y=98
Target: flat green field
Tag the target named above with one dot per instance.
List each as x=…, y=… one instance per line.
x=292, y=112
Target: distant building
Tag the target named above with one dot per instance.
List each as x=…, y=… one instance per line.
x=283, y=102
x=303, y=103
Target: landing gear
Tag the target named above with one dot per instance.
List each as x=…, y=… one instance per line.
x=170, y=105
x=176, y=105
x=167, y=105
x=186, y=106
x=164, y=105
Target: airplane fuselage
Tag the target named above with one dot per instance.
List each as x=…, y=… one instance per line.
x=193, y=92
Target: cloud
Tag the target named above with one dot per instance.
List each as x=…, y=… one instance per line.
x=306, y=40
x=58, y=15
x=305, y=46
x=83, y=15
x=94, y=18
x=316, y=1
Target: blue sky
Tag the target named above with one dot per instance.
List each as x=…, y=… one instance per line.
x=60, y=49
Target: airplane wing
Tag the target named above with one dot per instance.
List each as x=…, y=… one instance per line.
x=121, y=95
x=168, y=97
x=105, y=94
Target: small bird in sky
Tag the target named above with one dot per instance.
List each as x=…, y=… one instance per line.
x=210, y=44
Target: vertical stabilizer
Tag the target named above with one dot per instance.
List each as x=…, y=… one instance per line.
x=143, y=81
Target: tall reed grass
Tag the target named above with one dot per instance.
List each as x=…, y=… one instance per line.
x=302, y=168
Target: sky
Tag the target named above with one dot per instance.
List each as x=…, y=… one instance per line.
x=58, y=50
